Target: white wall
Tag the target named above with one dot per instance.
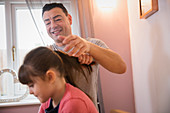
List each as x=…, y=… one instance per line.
x=150, y=47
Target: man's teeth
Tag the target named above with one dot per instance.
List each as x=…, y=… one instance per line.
x=56, y=32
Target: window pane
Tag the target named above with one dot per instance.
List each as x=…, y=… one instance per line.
x=3, y=48
x=27, y=34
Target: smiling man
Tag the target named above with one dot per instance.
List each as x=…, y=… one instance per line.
x=58, y=24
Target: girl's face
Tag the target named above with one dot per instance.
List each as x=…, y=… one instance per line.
x=40, y=89
x=53, y=86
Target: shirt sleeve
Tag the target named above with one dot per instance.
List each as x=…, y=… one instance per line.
x=97, y=42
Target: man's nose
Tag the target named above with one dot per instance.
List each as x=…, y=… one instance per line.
x=53, y=24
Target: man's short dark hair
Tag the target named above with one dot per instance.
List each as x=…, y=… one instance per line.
x=50, y=6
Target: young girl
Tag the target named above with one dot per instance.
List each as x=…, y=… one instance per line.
x=50, y=77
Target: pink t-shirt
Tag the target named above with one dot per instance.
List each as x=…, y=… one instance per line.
x=73, y=101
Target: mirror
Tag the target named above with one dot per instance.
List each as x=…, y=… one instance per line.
x=147, y=8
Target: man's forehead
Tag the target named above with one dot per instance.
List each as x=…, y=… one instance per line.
x=53, y=13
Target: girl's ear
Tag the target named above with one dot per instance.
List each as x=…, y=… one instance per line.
x=50, y=76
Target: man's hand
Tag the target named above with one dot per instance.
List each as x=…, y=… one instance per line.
x=85, y=59
x=74, y=45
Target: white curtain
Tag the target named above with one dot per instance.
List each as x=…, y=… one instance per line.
x=85, y=18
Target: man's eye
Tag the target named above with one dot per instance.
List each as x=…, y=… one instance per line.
x=47, y=23
x=57, y=19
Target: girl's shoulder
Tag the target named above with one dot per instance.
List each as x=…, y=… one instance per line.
x=76, y=101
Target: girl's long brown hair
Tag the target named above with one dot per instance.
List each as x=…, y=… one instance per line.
x=39, y=60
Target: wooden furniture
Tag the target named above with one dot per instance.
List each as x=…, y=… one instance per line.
x=118, y=111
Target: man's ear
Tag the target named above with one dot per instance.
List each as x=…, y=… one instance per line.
x=70, y=19
x=50, y=76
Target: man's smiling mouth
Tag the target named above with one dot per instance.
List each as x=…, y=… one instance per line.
x=56, y=31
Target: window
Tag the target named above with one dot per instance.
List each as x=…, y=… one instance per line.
x=3, y=46
x=22, y=36
x=27, y=36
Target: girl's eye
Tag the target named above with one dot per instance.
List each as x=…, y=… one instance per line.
x=30, y=85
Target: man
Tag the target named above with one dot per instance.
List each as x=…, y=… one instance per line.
x=58, y=24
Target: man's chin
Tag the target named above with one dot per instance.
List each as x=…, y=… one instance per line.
x=57, y=40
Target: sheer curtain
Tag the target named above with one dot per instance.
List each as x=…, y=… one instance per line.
x=85, y=18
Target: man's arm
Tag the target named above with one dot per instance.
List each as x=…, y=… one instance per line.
x=105, y=57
